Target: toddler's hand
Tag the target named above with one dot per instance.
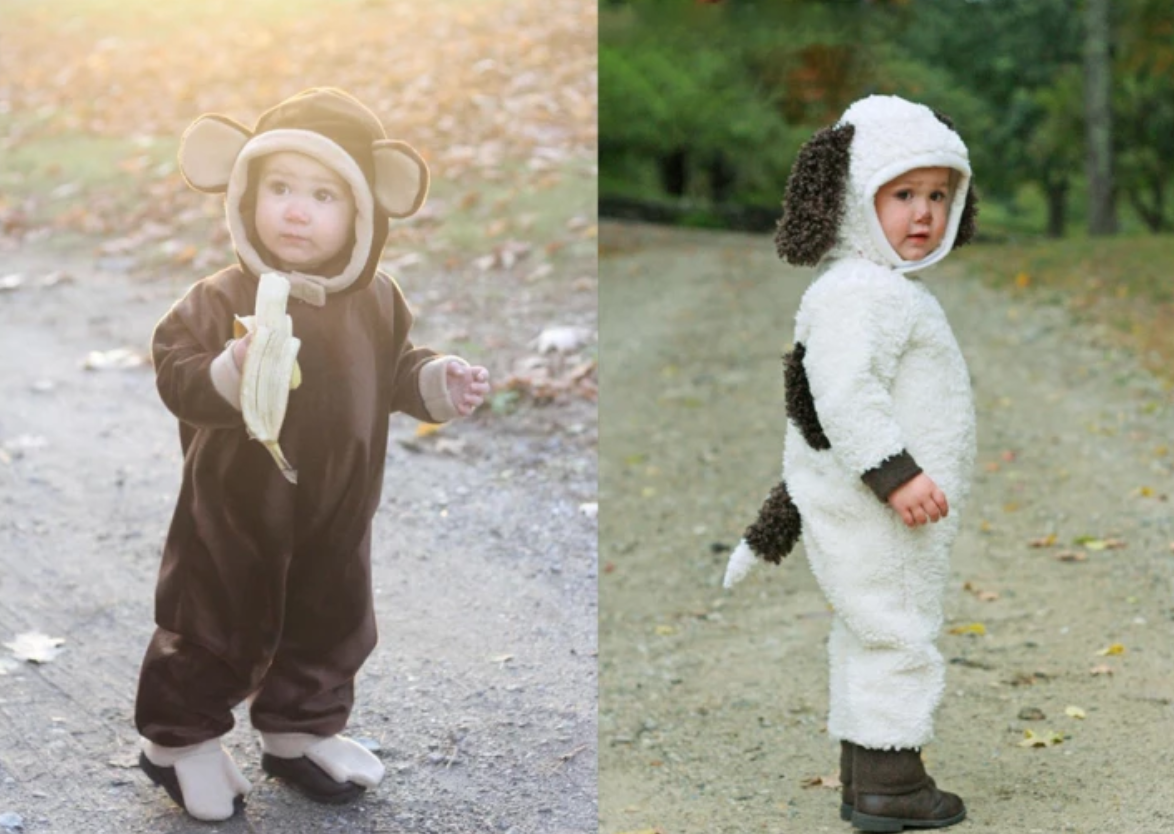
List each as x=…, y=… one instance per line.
x=239, y=348
x=467, y=386
x=919, y=501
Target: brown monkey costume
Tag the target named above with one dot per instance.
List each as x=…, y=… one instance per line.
x=265, y=586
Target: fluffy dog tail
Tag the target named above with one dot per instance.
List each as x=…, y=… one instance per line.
x=771, y=537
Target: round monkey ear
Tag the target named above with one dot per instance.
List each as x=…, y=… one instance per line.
x=208, y=150
x=401, y=178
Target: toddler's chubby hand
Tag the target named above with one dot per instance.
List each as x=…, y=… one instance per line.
x=467, y=386
x=919, y=501
x=239, y=348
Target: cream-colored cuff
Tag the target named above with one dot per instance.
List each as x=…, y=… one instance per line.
x=226, y=377
x=434, y=389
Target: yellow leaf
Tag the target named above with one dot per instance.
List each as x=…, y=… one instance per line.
x=1045, y=739
x=1145, y=492
x=1046, y=541
x=1074, y=712
x=969, y=628
x=1114, y=649
x=427, y=429
x=1022, y=280
x=665, y=630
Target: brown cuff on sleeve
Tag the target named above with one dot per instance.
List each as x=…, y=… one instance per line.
x=226, y=377
x=434, y=389
x=891, y=473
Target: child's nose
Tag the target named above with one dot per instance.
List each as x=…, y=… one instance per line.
x=295, y=211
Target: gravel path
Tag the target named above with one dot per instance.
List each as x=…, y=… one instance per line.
x=713, y=703
x=482, y=693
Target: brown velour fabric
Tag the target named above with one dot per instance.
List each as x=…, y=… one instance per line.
x=891, y=473
x=265, y=585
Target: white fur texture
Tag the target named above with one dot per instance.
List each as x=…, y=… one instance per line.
x=886, y=374
x=893, y=136
x=343, y=760
x=208, y=777
x=741, y=562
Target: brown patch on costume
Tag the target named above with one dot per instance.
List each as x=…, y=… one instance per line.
x=778, y=526
x=968, y=225
x=813, y=205
x=800, y=402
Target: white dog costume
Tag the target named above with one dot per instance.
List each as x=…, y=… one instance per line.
x=878, y=391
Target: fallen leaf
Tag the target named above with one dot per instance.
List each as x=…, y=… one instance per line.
x=983, y=596
x=1145, y=492
x=561, y=338
x=1046, y=541
x=1045, y=739
x=1102, y=669
x=1022, y=280
x=1074, y=712
x=590, y=509
x=831, y=781
x=969, y=628
x=665, y=630
x=1114, y=649
x=113, y=360
x=501, y=658
x=1072, y=556
x=428, y=429
x=35, y=647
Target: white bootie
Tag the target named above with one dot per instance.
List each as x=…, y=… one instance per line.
x=342, y=759
x=205, y=776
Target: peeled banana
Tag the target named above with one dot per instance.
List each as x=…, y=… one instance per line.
x=271, y=368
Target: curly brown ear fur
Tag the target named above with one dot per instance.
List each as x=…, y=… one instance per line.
x=968, y=225
x=813, y=204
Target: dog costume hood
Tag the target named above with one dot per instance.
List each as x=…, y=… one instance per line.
x=829, y=210
x=386, y=178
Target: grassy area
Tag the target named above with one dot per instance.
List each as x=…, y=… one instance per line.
x=1123, y=283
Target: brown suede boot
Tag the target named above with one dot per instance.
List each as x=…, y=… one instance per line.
x=847, y=799
x=891, y=792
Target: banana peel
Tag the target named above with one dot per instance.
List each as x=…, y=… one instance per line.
x=270, y=369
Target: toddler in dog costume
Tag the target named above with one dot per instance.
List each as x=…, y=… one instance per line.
x=880, y=438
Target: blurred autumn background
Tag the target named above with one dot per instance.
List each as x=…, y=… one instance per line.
x=1067, y=107
x=498, y=96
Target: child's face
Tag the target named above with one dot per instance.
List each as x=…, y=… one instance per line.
x=304, y=211
x=913, y=209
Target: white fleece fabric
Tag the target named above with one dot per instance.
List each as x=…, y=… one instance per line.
x=886, y=375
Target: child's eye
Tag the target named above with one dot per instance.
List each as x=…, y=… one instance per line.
x=938, y=196
x=324, y=195
x=278, y=187
x=903, y=194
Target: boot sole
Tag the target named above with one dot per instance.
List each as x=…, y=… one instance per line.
x=868, y=822
x=311, y=780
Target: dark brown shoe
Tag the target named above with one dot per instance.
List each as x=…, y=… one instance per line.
x=891, y=792
x=311, y=780
x=847, y=798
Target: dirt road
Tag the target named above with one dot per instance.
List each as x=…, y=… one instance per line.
x=482, y=694
x=712, y=703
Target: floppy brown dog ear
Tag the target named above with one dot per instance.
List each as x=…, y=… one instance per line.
x=401, y=178
x=209, y=149
x=813, y=204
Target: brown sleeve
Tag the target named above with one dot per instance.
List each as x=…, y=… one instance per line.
x=184, y=345
x=884, y=478
x=409, y=361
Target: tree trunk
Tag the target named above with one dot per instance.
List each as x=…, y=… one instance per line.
x=1057, y=194
x=1098, y=82
x=674, y=172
